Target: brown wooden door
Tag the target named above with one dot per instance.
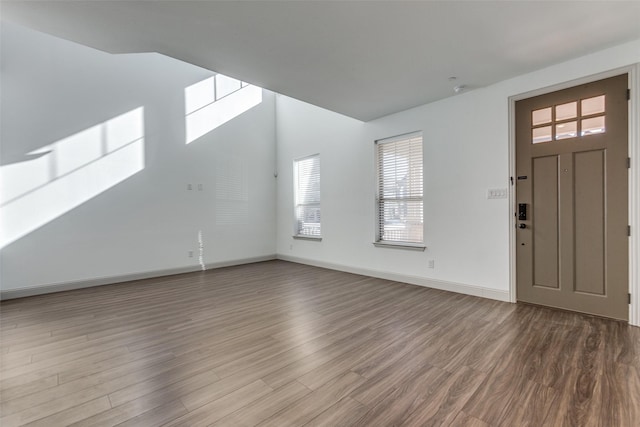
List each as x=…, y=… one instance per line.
x=571, y=167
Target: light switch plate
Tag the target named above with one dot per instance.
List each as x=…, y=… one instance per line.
x=497, y=193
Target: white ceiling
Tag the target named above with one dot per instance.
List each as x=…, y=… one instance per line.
x=363, y=59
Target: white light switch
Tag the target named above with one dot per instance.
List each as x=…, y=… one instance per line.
x=497, y=193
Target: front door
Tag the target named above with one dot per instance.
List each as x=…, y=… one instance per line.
x=572, y=199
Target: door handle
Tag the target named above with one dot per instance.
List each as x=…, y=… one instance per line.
x=521, y=225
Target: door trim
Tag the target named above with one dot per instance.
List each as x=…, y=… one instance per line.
x=633, y=72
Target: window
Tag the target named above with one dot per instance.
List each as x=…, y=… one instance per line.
x=399, y=198
x=589, y=113
x=307, y=196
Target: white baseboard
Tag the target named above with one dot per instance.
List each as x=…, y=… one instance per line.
x=414, y=280
x=241, y=261
x=460, y=288
x=100, y=281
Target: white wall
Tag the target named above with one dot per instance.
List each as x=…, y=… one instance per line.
x=466, y=152
x=148, y=221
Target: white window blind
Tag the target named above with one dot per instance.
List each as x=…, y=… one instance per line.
x=400, y=185
x=307, y=196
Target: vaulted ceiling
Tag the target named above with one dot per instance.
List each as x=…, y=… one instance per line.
x=359, y=58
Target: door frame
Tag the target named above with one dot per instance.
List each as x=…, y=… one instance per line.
x=633, y=72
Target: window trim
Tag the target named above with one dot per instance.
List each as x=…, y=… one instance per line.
x=400, y=245
x=305, y=237
x=378, y=242
x=296, y=234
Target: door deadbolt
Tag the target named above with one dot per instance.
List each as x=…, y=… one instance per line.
x=522, y=212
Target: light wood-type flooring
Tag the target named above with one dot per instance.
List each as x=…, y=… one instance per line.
x=282, y=344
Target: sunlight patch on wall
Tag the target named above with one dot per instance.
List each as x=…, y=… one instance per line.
x=69, y=172
x=213, y=102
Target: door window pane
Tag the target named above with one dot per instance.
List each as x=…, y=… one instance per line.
x=542, y=134
x=566, y=111
x=542, y=116
x=593, y=105
x=566, y=130
x=593, y=125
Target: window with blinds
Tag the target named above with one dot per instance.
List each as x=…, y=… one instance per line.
x=400, y=184
x=307, y=196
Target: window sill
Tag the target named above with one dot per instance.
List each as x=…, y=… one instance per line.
x=400, y=245
x=314, y=238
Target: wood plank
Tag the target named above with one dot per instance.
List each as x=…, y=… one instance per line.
x=216, y=409
x=265, y=407
x=396, y=407
x=446, y=401
x=157, y=416
x=344, y=413
x=313, y=404
x=464, y=420
x=60, y=418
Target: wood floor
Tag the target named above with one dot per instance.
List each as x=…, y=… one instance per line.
x=282, y=344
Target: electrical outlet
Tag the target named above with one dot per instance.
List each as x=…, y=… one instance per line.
x=189, y=187
x=432, y=263
x=199, y=187
x=190, y=254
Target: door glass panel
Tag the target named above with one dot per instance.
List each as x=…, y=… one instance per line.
x=542, y=134
x=566, y=130
x=566, y=111
x=593, y=105
x=593, y=125
x=539, y=117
